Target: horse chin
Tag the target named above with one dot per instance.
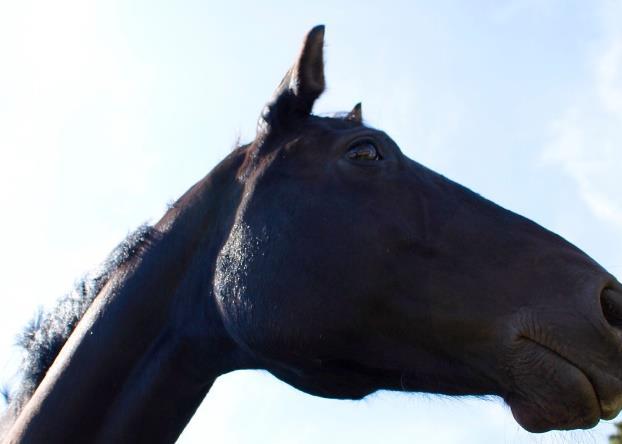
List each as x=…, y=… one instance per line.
x=332, y=388
x=551, y=393
x=338, y=379
x=335, y=391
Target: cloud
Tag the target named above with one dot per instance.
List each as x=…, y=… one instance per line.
x=587, y=146
x=609, y=74
x=587, y=137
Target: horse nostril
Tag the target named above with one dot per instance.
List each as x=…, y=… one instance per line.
x=611, y=302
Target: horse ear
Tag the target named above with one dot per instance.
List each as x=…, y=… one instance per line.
x=356, y=115
x=301, y=86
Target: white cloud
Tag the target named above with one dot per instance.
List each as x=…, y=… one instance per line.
x=587, y=137
x=609, y=70
x=588, y=147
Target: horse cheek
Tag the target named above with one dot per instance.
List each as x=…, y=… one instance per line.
x=231, y=282
x=246, y=291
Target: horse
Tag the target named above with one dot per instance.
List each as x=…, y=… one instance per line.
x=322, y=254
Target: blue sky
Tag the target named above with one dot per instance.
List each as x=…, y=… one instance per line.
x=109, y=110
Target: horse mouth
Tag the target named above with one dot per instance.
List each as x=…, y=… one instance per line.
x=551, y=392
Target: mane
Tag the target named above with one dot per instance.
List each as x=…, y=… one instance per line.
x=44, y=336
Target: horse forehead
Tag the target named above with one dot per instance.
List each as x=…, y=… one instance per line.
x=334, y=123
x=318, y=128
x=310, y=139
x=303, y=150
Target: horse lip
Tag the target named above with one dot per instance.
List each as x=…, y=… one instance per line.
x=610, y=410
x=607, y=410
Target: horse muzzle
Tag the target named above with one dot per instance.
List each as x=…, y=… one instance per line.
x=568, y=379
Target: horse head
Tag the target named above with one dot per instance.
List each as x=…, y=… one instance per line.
x=351, y=268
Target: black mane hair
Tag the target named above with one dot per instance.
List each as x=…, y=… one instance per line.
x=44, y=336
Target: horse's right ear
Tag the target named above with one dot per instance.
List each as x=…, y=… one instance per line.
x=302, y=85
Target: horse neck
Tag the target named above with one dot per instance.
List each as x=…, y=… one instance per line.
x=150, y=346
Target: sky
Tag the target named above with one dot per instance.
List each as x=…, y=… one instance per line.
x=109, y=110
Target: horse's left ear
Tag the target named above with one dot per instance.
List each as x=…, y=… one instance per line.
x=301, y=86
x=356, y=115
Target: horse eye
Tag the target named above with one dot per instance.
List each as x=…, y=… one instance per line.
x=365, y=151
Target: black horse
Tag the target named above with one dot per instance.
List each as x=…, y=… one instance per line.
x=321, y=253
